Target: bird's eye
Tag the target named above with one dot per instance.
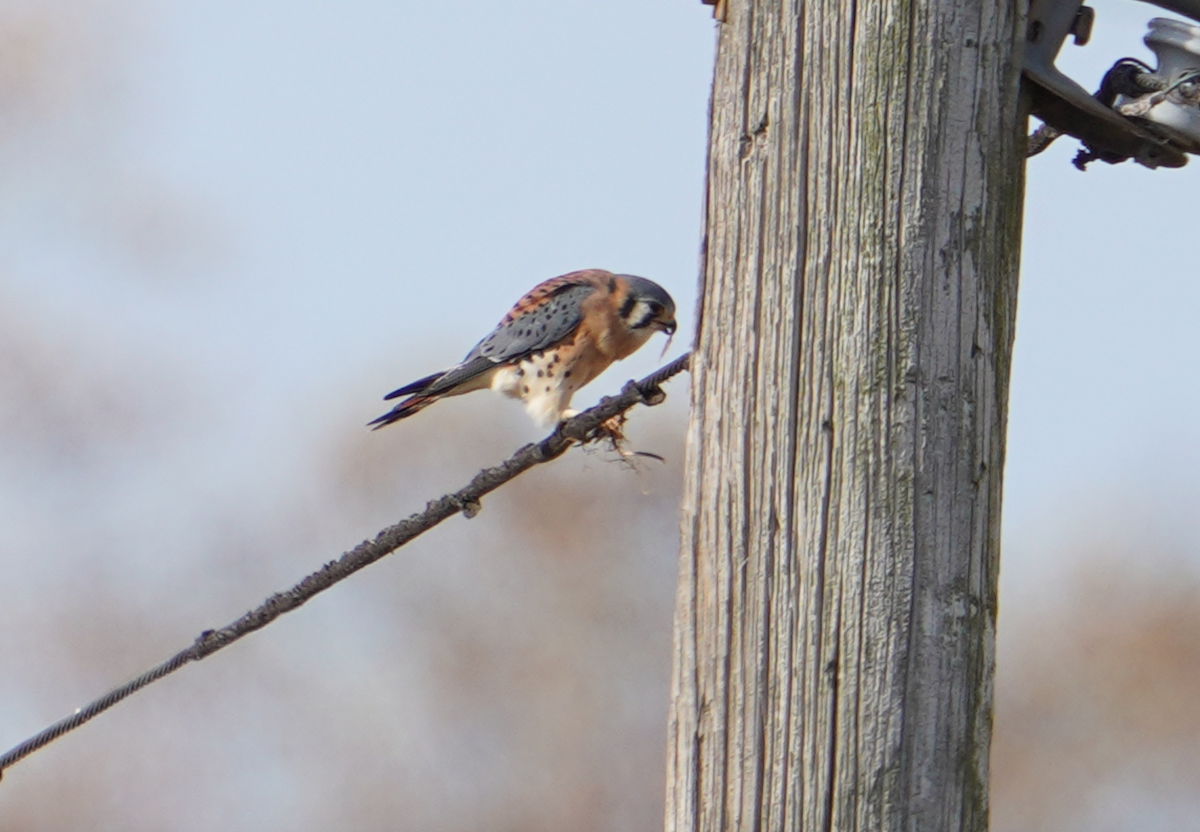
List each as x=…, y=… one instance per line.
x=655, y=308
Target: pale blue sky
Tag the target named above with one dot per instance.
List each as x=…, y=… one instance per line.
x=255, y=218
x=293, y=207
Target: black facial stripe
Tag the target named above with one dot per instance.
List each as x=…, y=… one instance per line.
x=627, y=307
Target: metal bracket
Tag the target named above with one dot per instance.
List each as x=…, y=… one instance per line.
x=1069, y=108
x=719, y=11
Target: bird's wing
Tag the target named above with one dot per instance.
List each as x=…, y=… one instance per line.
x=540, y=320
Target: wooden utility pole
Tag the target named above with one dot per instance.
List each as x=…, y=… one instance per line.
x=837, y=604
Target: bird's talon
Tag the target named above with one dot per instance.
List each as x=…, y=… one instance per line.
x=611, y=429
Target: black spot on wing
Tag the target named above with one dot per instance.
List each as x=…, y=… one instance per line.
x=536, y=330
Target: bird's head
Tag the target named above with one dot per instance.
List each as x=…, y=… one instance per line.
x=648, y=306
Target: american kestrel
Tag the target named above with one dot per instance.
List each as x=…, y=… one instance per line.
x=556, y=339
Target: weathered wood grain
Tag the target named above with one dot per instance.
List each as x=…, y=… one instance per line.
x=837, y=601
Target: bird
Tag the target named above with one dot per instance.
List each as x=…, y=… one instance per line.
x=562, y=334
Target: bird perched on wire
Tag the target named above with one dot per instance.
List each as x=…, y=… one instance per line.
x=556, y=339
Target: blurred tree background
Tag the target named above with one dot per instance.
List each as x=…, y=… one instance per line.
x=226, y=231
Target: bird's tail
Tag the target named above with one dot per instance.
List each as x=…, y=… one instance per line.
x=417, y=400
x=403, y=410
x=418, y=386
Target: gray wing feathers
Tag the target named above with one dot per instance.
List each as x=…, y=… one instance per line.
x=520, y=337
x=537, y=329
